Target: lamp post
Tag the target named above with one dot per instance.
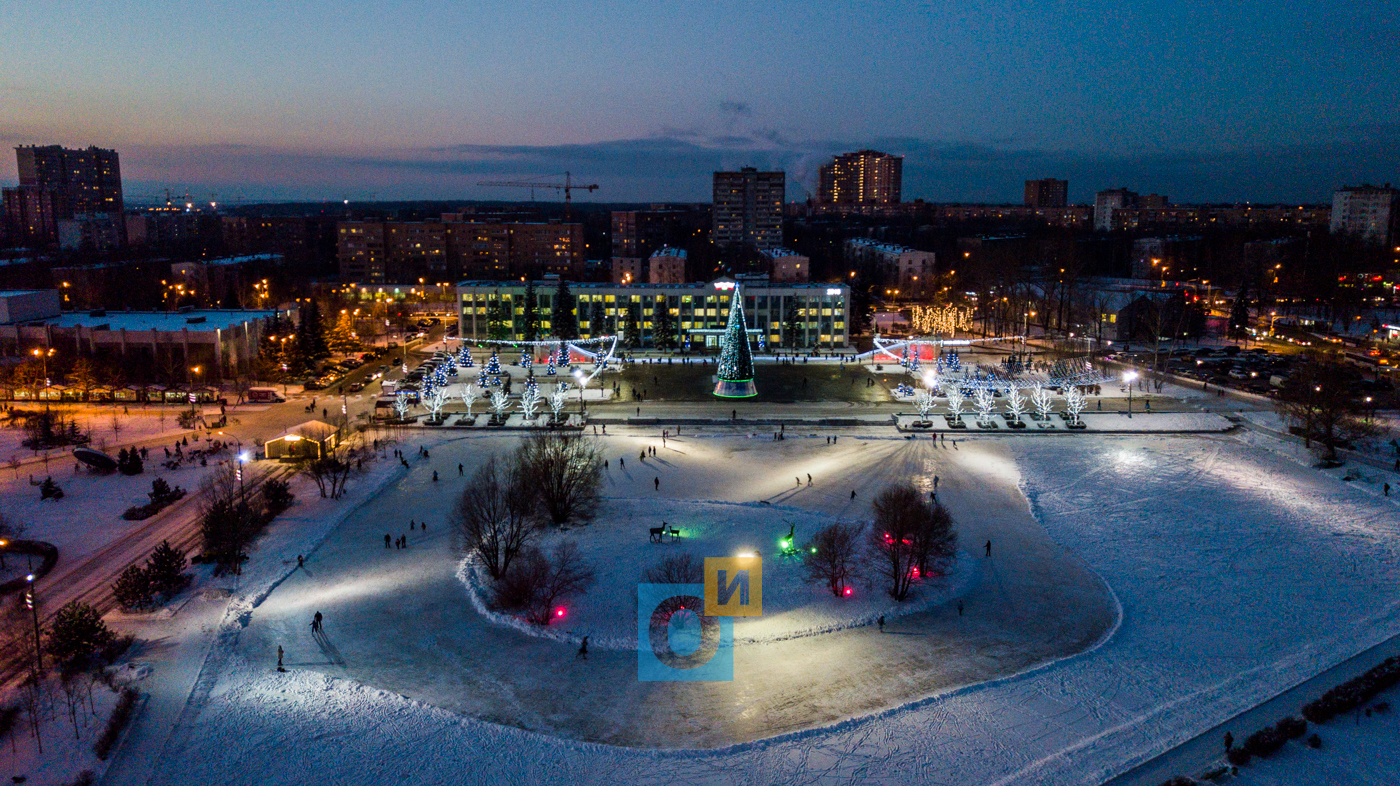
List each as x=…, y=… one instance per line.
x=582, y=383
x=3, y=544
x=1130, y=377
x=44, y=355
x=190, y=381
x=33, y=603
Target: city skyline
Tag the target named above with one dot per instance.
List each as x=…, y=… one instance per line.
x=1203, y=103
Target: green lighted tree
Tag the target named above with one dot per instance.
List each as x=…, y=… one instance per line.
x=663, y=326
x=792, y=327
x=497, y=320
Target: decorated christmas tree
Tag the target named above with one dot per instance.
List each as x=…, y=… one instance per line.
x=735, y=360
x=549, y=370
x=493, y=366
x=525, y=360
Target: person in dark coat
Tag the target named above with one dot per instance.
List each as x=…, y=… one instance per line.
x=881, y=622
x=989, y=548
x=582, y=649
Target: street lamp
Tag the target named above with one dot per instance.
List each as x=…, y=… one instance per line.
x=582, y=383
x=1130, y=377
x=44, y=355
x=190, y=381
x=33, y=604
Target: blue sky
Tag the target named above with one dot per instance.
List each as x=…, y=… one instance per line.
x=398, y=99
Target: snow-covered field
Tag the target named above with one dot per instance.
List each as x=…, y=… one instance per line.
x=1234, y=573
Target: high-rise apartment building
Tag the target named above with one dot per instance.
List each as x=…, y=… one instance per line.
x=1105, y=202
x=748, y=208
x=56, y=183
x=1369, y=212
x=402, y=252
x=865, y=177
x=637, y=233
x=1047, y=192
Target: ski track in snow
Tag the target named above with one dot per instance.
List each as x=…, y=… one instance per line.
x=1198, y=538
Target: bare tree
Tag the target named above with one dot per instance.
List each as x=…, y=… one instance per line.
x=894, y=542
x=935, y=541
x=832, y=554
x=565, y=470
x=540, y=581
x=332, y=467
x=494, y=515
x=227, y=523
x=676, y=569
x=1317, y=400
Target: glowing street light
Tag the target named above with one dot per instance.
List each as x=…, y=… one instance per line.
x=1130, y=377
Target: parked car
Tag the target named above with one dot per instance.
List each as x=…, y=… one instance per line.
x=355, y=387
x=313, y=384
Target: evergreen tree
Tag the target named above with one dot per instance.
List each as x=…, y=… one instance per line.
x=563, y=320
x=132, y=588
x=663, y=326
x=342, y=338
x=597, y=319
x=530, y=314
x=631, y=327
x=166, y=568
x=311, y=334
x=792, y=327
x=1239, y=313
x=77, y=633
x=497, y=320
x=736, y=359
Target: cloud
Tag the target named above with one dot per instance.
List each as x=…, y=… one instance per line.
x=677, y=167
x=735, y=108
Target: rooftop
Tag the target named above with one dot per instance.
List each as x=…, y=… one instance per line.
x=204, y=319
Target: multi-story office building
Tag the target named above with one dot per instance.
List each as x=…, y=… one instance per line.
x=1048, y=192
x=786, y=266
x=379, y=252
x=748, y=208
x=700, y=310
x=100, y=232
x=866, y=177
x=1369, y=212
x=56, y=183
x=911, y=271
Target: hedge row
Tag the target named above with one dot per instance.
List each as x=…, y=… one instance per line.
x=1355, y=692
x=121, y=715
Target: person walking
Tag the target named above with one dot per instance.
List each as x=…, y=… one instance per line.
x=656, y=482
x=1229, y=741
x=881, y=623
x=989, y=548
x=1387, y=489
x=582, y=649
x=386, y=540
x=459, y=470
x=853, y=493
x=799, y=482
x=300, y=563
x=960, y=608
x=622, y=463
x=279, y=658
x=935, y=482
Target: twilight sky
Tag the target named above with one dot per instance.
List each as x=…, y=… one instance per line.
x=1203, y=101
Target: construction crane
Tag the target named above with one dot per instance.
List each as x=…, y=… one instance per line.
x=567, y=187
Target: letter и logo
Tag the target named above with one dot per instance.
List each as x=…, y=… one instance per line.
x=734, y=586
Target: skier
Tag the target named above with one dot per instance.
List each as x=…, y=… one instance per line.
x=582, y=649
x=881, y=621
x=989, y=548
x=657, y=482
x=316, y=623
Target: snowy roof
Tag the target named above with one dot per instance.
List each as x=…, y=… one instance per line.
x=195, y=320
